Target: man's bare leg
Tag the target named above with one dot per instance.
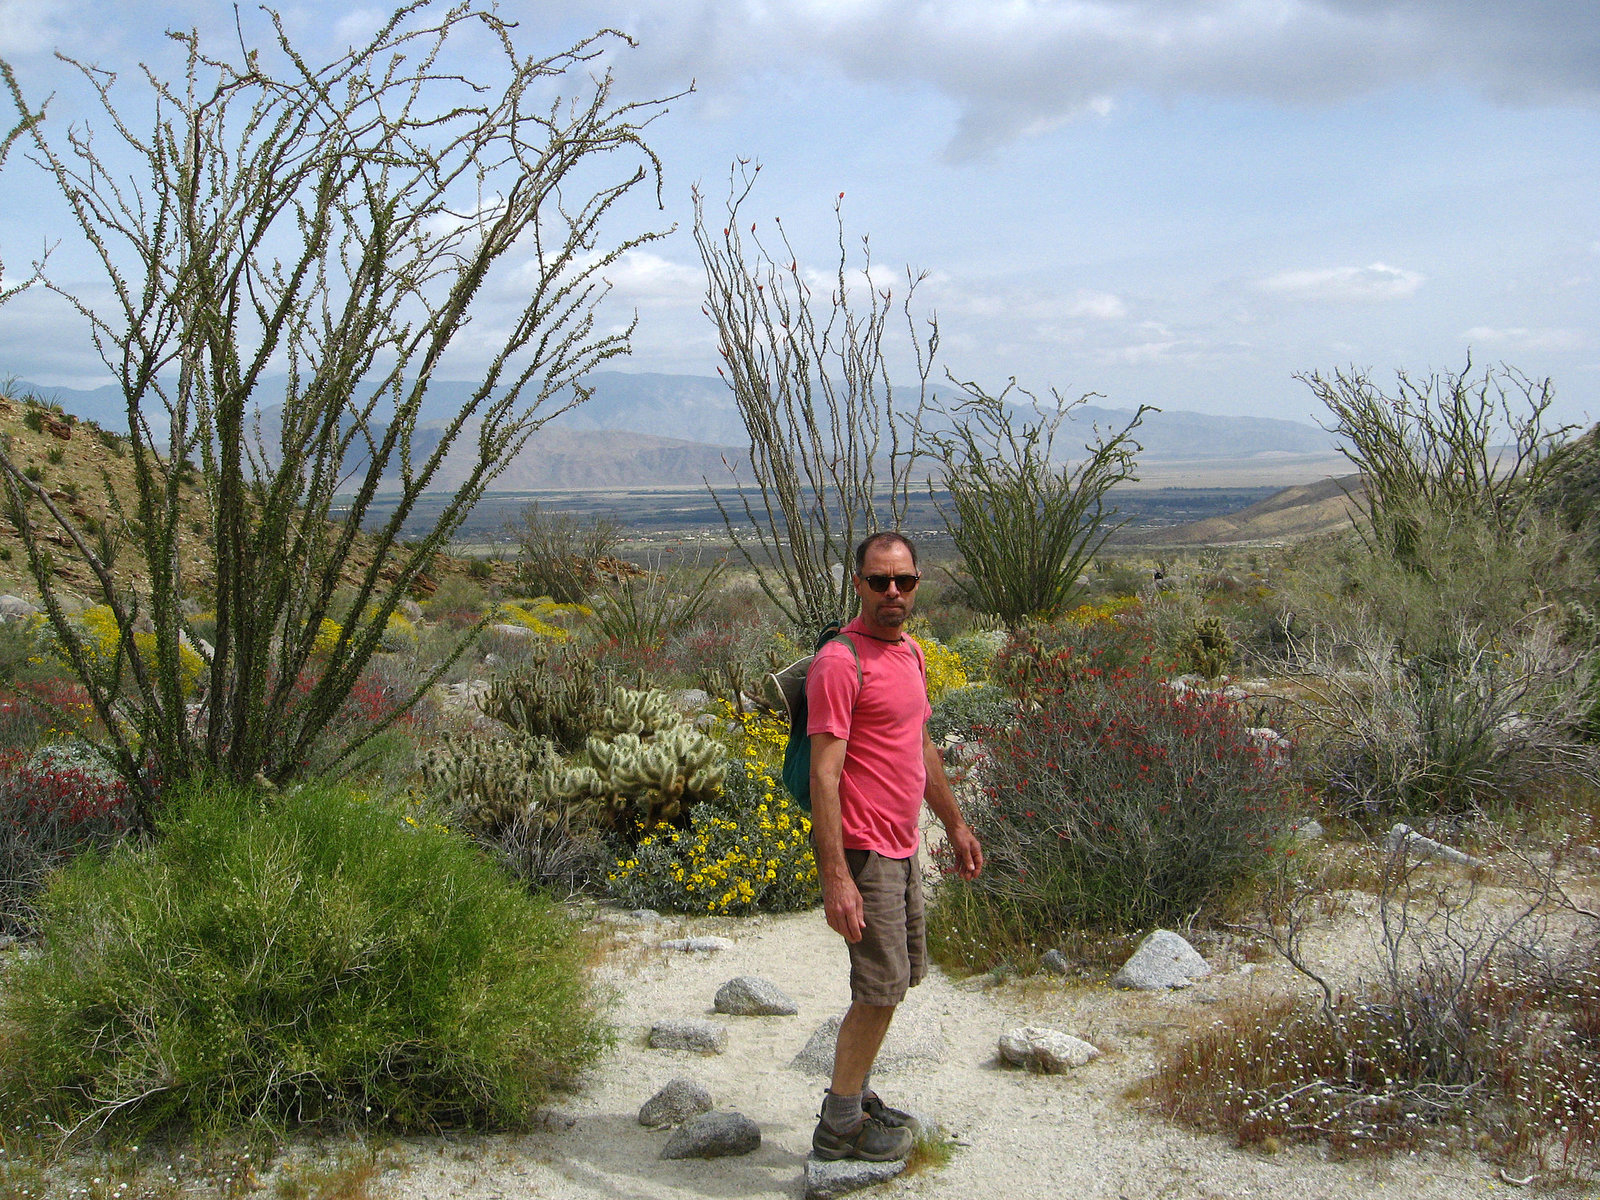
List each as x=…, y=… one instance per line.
x=861, y=1033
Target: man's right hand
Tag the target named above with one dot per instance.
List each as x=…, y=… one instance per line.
x=841, y=901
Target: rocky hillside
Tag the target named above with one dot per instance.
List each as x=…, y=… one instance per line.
x=1295, y=512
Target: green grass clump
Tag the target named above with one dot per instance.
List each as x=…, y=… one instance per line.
x=311, y=958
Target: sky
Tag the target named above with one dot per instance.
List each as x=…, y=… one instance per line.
x=1167, y=202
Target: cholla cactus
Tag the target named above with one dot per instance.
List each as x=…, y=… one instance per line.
x=642, y=714
x=489, y=783
x=1209, y=648
x=564, y=705
x=664, y=775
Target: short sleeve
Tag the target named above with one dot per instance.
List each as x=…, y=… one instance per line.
x=832, y=686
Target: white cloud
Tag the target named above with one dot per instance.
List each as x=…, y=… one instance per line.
x=1370, y=284
x=1527, y=339
x=28, y=26
x=1098, y=306
x=358, y=25
x=1019, y=67
x=641, y=275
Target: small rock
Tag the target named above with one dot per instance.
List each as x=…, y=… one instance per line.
x=1310, y=830
x=410, y=610
x=1055, y=962
x=675, y=1104
x=714, y=1135
x=13, y=607
x=1271, y=740
x=698, y=945
x=752, y=996
x=1163, y=960
x=647, y=916
x=1404, y=837
x=691, y=700
x=705, y=1037
x=825, y=1180
x=1048, y=1051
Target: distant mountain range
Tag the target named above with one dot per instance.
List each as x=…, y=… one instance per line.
x=652, y=430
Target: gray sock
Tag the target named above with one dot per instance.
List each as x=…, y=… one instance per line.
x=841, y=1113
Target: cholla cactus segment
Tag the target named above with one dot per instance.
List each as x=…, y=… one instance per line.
x=642, y=714
x=489, y=783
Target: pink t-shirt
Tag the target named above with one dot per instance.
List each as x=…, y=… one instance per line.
x=882, y=719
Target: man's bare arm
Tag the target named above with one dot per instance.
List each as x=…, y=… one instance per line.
x=941, y=799
x=841, y=899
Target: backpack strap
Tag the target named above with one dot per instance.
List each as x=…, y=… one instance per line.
x=855, y=653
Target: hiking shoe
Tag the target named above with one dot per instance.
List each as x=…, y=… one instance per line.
x=893, y=1118
x=872, y=1141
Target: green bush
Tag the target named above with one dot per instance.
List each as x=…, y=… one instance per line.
x=1025, y=524
x=965, y=711
x=1458, y=574
x=1117, y=804
x=1418, y=736
x=978, y=650
x=318, y=959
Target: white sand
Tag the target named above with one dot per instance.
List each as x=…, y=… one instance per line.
x=1020, y=1135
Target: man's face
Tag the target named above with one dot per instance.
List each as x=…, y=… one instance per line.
x=885, y=610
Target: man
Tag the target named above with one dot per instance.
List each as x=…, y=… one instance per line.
x=873, y=763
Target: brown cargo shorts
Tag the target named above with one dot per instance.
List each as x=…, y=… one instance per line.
x=892, y=954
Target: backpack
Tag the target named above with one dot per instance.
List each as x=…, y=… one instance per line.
x=791, y=688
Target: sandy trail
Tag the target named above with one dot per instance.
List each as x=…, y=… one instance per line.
x=1020, y=1135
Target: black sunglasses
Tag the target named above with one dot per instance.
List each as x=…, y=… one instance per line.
x=880, y=583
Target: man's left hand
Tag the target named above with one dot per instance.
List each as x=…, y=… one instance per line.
x=968, y=853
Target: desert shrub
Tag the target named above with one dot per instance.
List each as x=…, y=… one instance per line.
x=102, y=648
x=966, y=711
x=563, y=556
x=747, y=851
x=456, y=594
x=645, y=609
x=54, y=804
x=1119, y=803
x=1042, y=659
x=399, y=634
x=1458, y=573
x=1486, y=1043
x=33, y=418
x=1419, y=736
x=22, y=650
x=318, y=959
x=978, y=650
x=63, y=707
x=538, y=615
x=550, y=856
x=22, y=723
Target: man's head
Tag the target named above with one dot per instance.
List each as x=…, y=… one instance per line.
x=886, y=580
